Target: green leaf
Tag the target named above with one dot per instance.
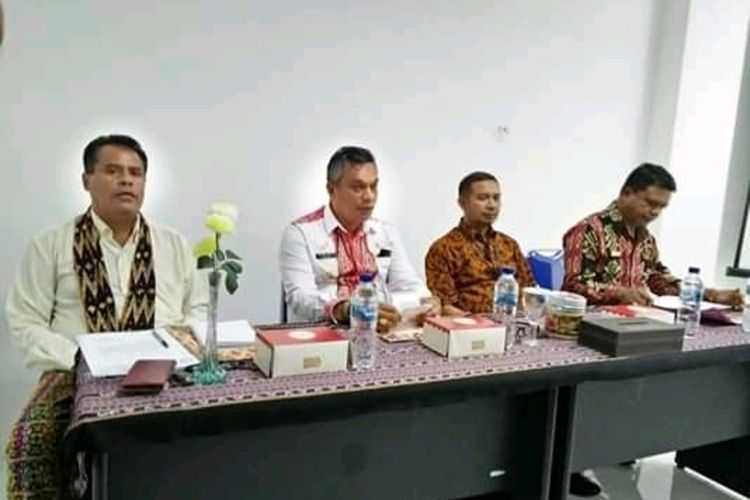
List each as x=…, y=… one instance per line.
x=232, y=255
x=232, y=266
x=219, y=254
x=231, y=282
x=214, y=278
x=205, y=261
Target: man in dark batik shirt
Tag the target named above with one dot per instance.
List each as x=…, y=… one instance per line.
x=610, y=256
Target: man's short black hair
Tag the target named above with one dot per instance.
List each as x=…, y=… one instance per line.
x=346, y=156
x=465, y=185
x=649, y=174
x=124, y=141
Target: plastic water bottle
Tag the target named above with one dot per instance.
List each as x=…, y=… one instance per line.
x=746, y=309
x=506, y=300
x=363, y=320
x=691, y=295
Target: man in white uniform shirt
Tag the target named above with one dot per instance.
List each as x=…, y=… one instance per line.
x=324, y=252
x=106, y=270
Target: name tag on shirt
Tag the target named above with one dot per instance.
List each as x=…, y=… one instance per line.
x=329, y=255
x=385, y=252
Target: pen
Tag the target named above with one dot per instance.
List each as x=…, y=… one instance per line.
x=160, y=339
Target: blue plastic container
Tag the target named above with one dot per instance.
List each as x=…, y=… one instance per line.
x=548, y=267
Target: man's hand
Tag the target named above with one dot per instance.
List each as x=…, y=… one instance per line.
x=388, y=317
x=434, y=310
x=727, y=297
x=633, y=295
x=449, y=310
x=340, y=312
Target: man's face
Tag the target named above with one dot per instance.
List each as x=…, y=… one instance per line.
x=640, y=208
x=354, y=195
x=481, y=205
x=116, y=183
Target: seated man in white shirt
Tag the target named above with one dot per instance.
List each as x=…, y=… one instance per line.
x=106, y=270
x=324, y=252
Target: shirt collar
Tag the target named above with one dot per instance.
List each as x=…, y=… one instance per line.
x=331, y=222
x=613, y=213
x=472, y=233
x=106, y=231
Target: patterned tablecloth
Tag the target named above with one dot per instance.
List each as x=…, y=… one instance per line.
x=398, y=364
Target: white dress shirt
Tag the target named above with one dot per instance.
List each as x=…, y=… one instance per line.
x=309, y=268
x=44, y=307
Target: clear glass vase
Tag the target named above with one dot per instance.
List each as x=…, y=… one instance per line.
x=209, y=371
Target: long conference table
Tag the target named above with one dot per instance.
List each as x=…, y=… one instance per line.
x=420, y=426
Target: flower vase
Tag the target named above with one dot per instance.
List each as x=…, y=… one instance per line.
x=209, y=371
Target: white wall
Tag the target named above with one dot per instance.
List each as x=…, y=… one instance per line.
x=245, y=101
x=669, y=31
x=704, y=134
x=737, y=185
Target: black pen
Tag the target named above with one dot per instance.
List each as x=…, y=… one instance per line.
x=159, y=339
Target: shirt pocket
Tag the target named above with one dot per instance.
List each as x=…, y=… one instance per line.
x=383, y=259
x=326, y=268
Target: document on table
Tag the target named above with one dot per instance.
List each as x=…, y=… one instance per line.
x=407, y=328
x=236, y=333
x=113, y=353
x=672, y=303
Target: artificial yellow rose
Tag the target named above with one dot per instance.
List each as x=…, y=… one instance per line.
x=219, y=223
x=226, y=209
x=205, y=247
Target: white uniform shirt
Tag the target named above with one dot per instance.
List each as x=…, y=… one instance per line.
x=309, y=267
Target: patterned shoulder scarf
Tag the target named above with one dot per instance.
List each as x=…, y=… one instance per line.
x=93, y=282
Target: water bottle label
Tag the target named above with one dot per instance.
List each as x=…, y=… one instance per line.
x=506, y=299
x=364, y=312
x=691, y=294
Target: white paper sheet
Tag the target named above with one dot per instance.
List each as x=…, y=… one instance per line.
x=672, y=303
x=237, y=333
x=407, y=328
x=113, y=353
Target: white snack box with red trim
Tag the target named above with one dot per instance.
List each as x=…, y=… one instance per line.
x=297, y=351
x=463, y=336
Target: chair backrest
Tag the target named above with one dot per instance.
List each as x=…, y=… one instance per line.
x=283, y=310
x=548, y=267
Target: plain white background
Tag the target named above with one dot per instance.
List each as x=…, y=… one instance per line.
x=244, y=102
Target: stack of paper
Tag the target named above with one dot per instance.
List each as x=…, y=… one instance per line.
x=112, y=354
x=237, y=333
